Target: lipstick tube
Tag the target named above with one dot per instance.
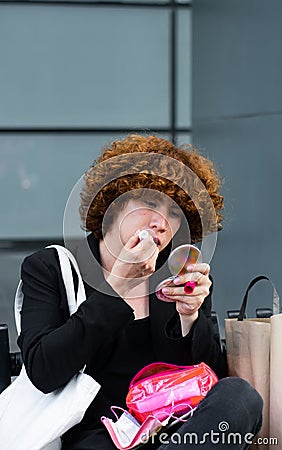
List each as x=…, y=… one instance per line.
x=189, y=287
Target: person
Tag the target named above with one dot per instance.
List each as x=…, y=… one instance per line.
x=138, y=183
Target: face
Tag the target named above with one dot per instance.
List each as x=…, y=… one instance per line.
x=157, y=213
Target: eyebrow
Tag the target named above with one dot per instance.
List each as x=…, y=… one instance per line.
x=160, y=199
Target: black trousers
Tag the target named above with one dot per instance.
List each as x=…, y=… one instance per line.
x=228, y=417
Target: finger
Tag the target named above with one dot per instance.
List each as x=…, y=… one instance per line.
x=148, y=243
x=149, y=249
x=174, y=292
x=192, y=302
x=203, y=268
x=195, y=275
x=182, y=295
x=136, y=245
x=182, y=279
x=185, y=308
x=132, y=242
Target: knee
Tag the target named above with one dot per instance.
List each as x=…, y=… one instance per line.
x=239, y=391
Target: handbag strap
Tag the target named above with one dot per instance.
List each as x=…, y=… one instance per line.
x=74, y=300
x=66, y=258
x=275, y=300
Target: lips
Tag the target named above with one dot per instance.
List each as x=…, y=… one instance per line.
x=156, y=240
x=143, y=234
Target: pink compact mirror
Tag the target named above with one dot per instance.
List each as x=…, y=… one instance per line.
x=179, y=259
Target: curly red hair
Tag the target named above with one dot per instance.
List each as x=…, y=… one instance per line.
x=150, y=162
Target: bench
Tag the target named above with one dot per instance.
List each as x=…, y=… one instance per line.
x=10, y=362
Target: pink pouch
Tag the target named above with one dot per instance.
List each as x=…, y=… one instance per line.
x=162, y=390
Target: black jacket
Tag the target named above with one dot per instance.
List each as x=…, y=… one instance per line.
x=55, y=346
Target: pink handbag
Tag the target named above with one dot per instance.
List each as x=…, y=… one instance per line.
x=163, y=390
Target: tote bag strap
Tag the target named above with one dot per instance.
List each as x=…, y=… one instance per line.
x=275, y=300
x=65, y=259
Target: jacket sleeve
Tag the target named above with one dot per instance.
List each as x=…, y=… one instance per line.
x=200, y=344
x=55, y=346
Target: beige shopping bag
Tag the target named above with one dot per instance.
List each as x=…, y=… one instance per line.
x=252, y=347
x=275, y=410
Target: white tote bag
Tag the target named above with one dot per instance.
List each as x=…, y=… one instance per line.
x=29, y=419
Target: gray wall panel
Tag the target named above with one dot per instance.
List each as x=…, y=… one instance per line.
x=237, y=58
x=237, y=121
x=83, y=66
x=247, y=155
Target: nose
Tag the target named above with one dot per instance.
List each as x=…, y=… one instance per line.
x=158, y=222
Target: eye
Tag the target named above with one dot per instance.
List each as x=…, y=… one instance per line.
x=175, y=213
x=150, y=204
